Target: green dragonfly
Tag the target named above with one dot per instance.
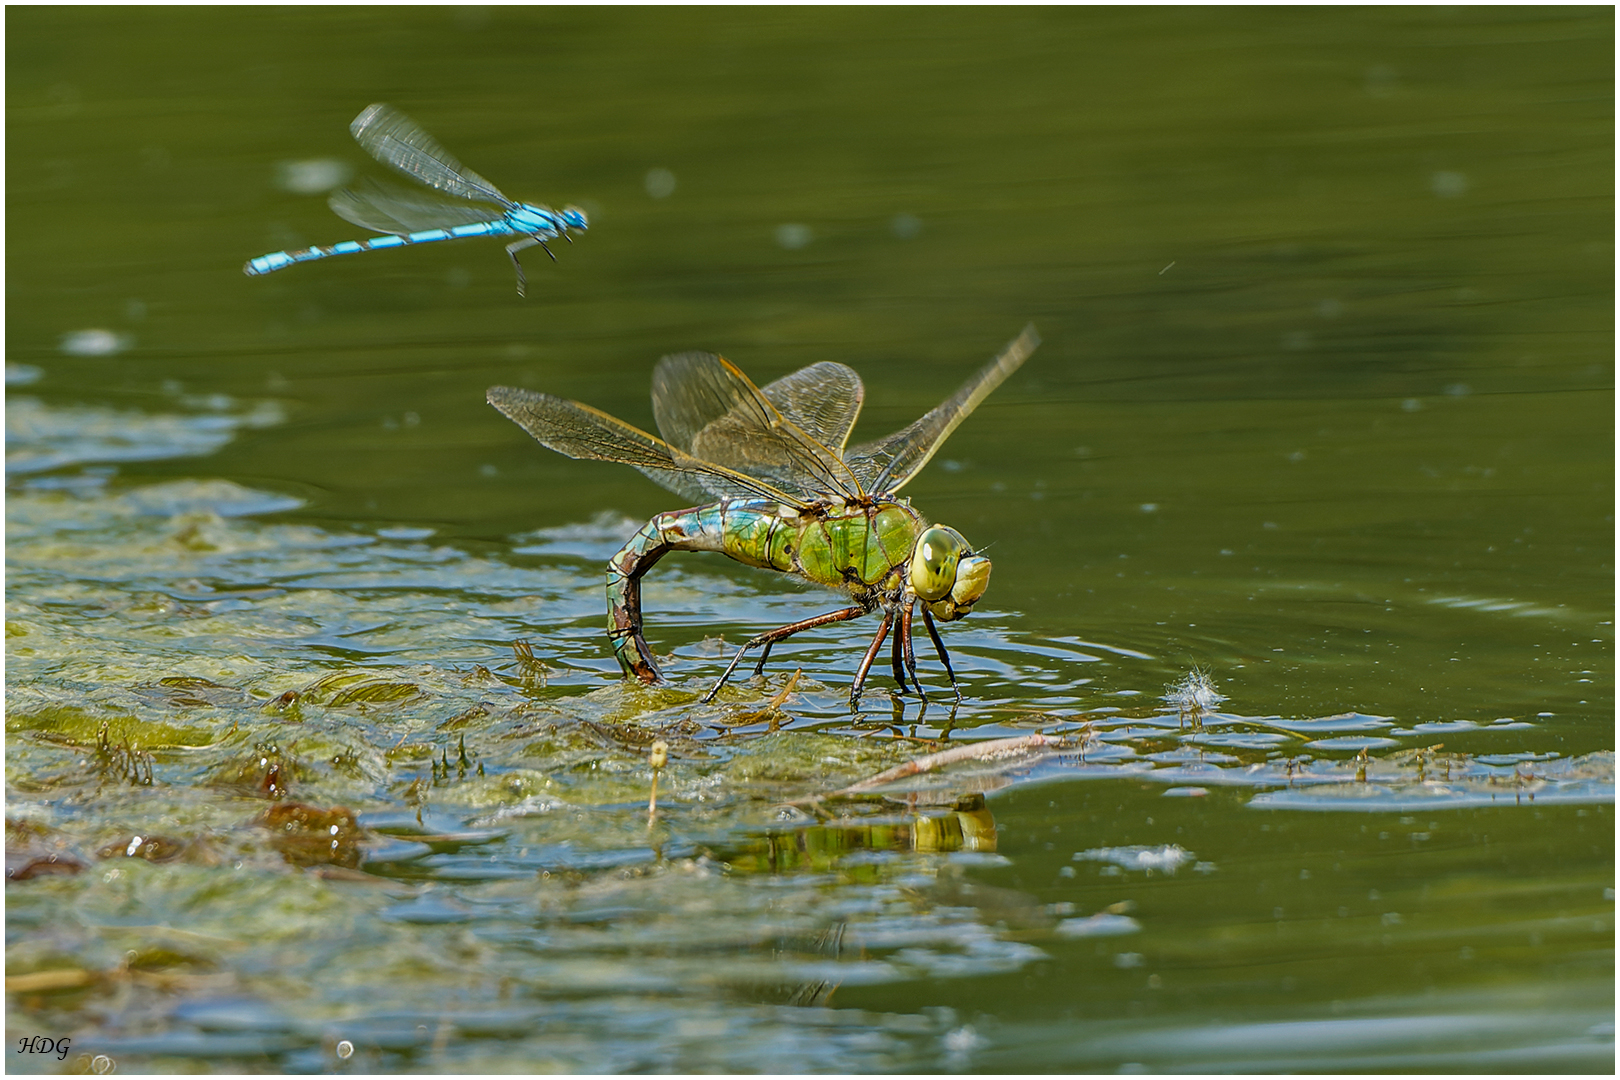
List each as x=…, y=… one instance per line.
x=781, y=492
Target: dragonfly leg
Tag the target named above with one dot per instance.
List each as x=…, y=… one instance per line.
x=511, y=250
x=903, y=633
x=759, y=668
x=771, y=637
x=866, y=661
x=896, y=658
x=532, y=240
x=939, y=647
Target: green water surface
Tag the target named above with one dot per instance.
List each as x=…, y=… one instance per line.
x=1324, y=413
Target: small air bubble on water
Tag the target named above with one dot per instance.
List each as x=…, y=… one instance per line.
x=23, y=374
x=660, y=183
x=1448, y=185
x=1381, y=80
x=964, y=1040
x=96, y=342
x=794, y=236
x=311, y=176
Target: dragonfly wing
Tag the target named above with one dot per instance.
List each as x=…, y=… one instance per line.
x=579, y=431
x=371, y=205
x=888, y=464
x=395, y=139
x=823, y=399
x=705, y=406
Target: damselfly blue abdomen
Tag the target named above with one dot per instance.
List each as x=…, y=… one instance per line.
x=395, y=139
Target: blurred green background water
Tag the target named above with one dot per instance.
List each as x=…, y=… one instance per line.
x=1324, y=409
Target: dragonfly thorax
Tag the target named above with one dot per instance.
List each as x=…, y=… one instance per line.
x=544, y=221
x=878, y=550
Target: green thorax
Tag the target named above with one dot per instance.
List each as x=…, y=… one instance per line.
x=861, y=548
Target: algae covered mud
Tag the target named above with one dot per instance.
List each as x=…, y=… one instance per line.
x=1297, y=669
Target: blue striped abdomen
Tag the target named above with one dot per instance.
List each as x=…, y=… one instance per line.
x=264, y=264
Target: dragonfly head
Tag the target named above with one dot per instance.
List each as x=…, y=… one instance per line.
x=573, y=217
x=946, y=574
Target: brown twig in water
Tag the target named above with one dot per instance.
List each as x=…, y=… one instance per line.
x=772, y=708
x=54, y=979
x=978, y=751
x=776, y=702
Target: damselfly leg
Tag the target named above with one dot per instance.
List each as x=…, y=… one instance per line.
x=520, y=245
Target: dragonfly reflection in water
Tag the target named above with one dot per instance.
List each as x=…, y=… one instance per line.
x=781, y=492
x=395, y=139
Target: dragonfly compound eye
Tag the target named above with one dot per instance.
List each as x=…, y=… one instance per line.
x=972, y=578
x=934, y=561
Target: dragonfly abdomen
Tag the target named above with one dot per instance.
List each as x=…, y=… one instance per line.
x=858, y=549
x=279, y=260
x=758, y=534
x=698, y=529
